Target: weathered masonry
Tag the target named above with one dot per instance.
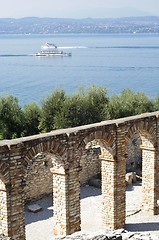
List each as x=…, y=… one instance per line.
x=67, y=145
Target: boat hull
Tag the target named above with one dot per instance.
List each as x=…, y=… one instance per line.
x=52, y=54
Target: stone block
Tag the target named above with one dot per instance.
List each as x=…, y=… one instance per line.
x=34, y=208
x=130, y=178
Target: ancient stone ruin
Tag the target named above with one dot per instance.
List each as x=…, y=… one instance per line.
x=60, y=159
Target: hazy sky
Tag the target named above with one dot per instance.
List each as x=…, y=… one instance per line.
x=73, y=8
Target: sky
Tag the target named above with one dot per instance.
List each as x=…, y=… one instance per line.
x=77, y=8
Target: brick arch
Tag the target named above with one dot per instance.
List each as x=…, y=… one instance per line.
x=146, y=131
x=4, y=172
x=105, y=139
x=51, y=146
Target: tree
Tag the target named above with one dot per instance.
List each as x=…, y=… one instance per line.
x=157, y=103
x=129, y=103
x=11, y=117
x=84, y=107
x=50, y=106
x=32, y=119
x=97, y=107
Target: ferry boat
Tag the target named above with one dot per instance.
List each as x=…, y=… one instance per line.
x=49, y=49
x=52, y=53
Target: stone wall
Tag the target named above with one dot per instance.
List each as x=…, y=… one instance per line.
x=19, y=168
x=134, y=153
x=90, y=163
x=38, y=178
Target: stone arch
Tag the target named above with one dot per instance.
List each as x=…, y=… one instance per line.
x=133, y=154
x=147, y=133
x=101, y=136
x=30, y=159
x=107, y=158
x=38, y=178
x=49, y=146
x=89, y=157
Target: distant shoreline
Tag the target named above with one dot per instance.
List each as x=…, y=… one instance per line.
x=35, y=25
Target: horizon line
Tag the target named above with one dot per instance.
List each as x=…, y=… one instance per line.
x=146, y=16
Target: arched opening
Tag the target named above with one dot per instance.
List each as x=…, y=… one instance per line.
x=133, y=175
x=97, y=164
x=38, y=177
x=145, y=198
x=90, y=191
x=38, y=194
x=149, y=197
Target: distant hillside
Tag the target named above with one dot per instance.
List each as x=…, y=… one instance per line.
x=34, y=25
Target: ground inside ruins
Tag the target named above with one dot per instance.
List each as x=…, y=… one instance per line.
x=40, y=225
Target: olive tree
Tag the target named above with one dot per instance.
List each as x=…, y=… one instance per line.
x=11, y=117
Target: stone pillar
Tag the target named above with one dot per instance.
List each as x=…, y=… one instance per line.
x=149, y=183
x=12, y=212
x=113, y=194
x=66, y=200
x=11, y=202
x=3, y=210
x=113, y=181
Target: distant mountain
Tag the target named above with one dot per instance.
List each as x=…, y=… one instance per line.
x=117, y=12
x=112, y=12
x=35, y=25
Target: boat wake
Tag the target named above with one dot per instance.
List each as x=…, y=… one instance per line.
x=72, y=47
x=15, y=55
x=131, y=47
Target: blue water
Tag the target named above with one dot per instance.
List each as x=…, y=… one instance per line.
x=116, y=61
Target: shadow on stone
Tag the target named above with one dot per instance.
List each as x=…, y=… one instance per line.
x=47, y=211
x=142, y=227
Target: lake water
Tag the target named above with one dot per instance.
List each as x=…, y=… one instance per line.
x=116, y=61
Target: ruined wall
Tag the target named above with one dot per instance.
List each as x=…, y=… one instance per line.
x=134, y=153
x=20, y=166
x=39, y=179
x=90, y=163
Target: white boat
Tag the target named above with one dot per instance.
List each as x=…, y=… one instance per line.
x=48, y=46
x=49, y=49
x=52, y=53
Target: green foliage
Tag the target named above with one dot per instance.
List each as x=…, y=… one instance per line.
x=97, y=103
x=31, y=119
x=157, y=103
x=50, y=106
x=59, y=110
x=11, y=117
x=84, y=107
x=1, y=137
x=129, y=104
